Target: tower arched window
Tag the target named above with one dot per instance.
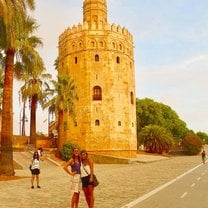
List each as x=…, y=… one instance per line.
x=97, y=122
x=101, y=44
x=97, y=57
x=97, y=93
x=118, y=60
x=120, y=47
x=75, y=60
x=114, y=45
x=92, y=44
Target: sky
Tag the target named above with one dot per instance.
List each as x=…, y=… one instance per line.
x=171, y=51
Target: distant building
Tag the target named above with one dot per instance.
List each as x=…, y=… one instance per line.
x=100, y=59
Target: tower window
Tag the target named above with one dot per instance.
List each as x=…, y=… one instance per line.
x=101, y=44
x=92, y=44
x=118, y=60
x=97, y=93
x=132, y=97
x=114, y=45
x=119, y=123
x=97, y=122
x=120, y=47
x=97, y=57
x=75, y=60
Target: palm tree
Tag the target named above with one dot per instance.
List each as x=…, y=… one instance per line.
x=64, y=95
x=15, y=33
x=13, y=9
x=31, y=71
x=35, y=90
x=156, y=139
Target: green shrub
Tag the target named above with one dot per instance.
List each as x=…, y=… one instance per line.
x=67, y=150
x=192, y=144
x=156, y=139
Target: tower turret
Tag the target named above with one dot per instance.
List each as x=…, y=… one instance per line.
x=95, y=12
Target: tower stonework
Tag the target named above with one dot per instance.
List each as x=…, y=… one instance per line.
x=99, y=57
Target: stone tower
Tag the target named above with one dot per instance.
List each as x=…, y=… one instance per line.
x=100, y=59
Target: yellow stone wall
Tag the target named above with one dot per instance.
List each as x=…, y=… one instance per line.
x=78, y=46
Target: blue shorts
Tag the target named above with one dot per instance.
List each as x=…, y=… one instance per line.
x=35, y=171
x=86, y=181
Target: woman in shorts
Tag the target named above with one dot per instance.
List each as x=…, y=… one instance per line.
x=74, y=171
x=35, y=169
x=87, y=178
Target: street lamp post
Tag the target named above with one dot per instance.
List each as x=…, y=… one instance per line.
x=20, y=122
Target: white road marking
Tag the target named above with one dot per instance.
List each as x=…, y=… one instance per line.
x=193, y=184
x=142, y=198
x=183, y=195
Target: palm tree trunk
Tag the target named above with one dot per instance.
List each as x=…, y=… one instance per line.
x=6, y=154
x=33, y=120
x=60, y=139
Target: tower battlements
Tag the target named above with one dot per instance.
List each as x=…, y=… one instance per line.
x=88, y=27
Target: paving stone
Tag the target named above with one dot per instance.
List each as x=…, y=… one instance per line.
x=119, y=184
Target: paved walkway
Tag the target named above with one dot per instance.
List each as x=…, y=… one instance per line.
x=119, y=184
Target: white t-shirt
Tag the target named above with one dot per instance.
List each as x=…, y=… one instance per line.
x=35, y=164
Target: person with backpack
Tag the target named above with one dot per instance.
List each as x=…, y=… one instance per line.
x=35, y=169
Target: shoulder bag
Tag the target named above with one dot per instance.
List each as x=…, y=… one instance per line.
x=95, y=180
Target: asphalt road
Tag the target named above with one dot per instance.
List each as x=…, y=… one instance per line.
x=186, y=191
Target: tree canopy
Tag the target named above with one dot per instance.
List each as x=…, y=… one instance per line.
x=203, y=136
x=154, y=113
x=16, y=28
x=64, y=95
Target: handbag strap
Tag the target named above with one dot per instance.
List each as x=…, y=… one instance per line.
x=85, y=169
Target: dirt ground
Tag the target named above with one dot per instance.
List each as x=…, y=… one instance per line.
x=8, y=178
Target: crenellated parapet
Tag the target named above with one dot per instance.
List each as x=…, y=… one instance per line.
x=109, y=37
x=87, y=27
